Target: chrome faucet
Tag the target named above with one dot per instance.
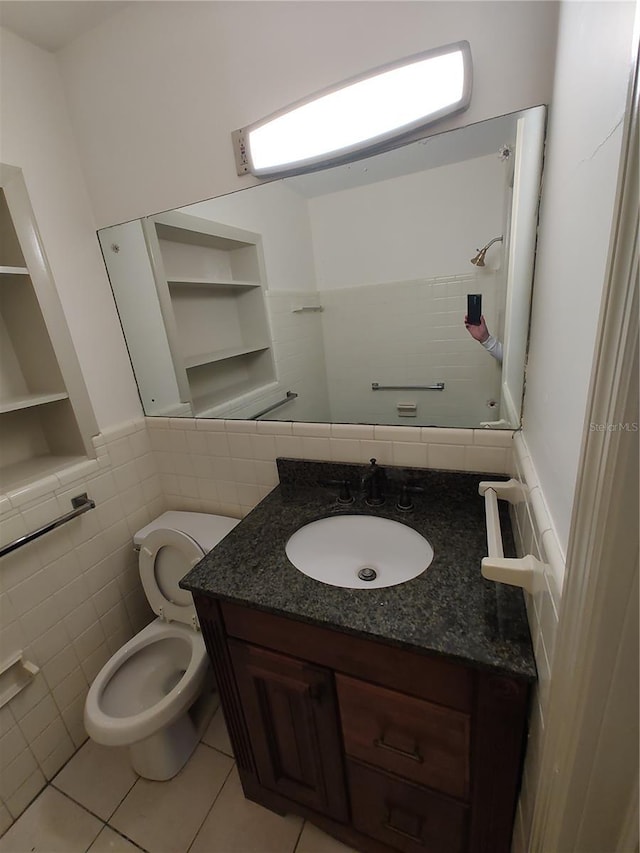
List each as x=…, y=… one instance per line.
x=373, y=484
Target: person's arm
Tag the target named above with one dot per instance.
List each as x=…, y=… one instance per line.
x=481, y=334
x=494, y=347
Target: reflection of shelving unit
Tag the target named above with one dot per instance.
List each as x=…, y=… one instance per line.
x=210, y=280
x=45, y=415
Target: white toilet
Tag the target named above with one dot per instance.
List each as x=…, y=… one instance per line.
x=150, y=695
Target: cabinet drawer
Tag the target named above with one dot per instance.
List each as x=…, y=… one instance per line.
x=404, y=816
x=413, y=738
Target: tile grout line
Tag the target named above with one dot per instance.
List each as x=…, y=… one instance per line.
x=87, y=809
x=215, y=799
x=295, y=846
x=219, y=751
x=122, y=835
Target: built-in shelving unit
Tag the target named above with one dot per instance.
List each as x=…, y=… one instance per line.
x=13, y=271
x=27, y=401
x=190, y=295
x=45, y=415
x=210, y=282
x=222, y=355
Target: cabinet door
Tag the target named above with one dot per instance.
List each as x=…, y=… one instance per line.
x=292, y=717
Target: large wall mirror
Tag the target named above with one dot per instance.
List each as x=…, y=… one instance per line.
x=340, y=295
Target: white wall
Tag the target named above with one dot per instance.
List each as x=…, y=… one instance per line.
x=37, y=137
x=155, y=91
x=583, y=150
x=281, y=216
x=420, y=225
x=583, y=147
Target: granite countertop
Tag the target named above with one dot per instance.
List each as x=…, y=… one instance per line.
x=448, y=610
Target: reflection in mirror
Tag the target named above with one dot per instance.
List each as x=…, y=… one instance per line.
x=340, y=296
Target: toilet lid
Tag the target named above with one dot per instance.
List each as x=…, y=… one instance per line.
x=165, y=557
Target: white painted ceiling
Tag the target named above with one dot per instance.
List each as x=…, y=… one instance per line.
x=52, y=24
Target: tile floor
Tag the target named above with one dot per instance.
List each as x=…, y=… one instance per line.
x=97, y=804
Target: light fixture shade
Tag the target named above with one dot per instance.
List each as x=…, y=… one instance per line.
x=360, y=114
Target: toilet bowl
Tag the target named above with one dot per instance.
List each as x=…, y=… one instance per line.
x=150, y=695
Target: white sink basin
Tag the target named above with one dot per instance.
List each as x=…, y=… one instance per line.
x=334, y=550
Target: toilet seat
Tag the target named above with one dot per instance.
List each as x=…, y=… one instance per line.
x=110, y=730
x=166, y=555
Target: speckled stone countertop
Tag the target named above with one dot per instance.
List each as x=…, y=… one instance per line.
x=448, y=610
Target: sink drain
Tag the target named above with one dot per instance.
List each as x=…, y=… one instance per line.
x=367, y=574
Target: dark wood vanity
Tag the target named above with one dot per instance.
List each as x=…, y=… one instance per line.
x=392, y=718
x=384, y=748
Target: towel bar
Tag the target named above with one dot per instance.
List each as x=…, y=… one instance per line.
x=519, y=571
x=81, y=503
x=437, y=386
x=291, y=395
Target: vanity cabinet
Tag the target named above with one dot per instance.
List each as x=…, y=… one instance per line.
x=386, y=748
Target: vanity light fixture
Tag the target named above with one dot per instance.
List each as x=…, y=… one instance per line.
x=361, y=114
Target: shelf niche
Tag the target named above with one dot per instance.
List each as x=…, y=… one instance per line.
x=45, y=415
x=210, y=279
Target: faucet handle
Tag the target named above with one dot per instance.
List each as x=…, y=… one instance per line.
x=405, y=503
x=344, y=496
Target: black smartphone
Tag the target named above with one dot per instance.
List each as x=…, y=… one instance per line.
x=474, y=308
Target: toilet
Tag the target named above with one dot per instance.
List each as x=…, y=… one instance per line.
x=152, y=694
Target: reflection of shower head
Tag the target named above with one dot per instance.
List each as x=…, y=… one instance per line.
x=478, y=260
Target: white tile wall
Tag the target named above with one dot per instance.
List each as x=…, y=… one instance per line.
x=298, y=348
x=363, y=335
x=69, y=600
x=410, y=333
x=235, y=467
x=535, y=535
x=72, y=598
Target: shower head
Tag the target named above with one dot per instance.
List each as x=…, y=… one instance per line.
x=478, y=260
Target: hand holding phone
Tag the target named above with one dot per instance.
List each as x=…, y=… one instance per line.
x=474, y=308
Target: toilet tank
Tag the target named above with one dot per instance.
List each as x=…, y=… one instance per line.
x=207, y=530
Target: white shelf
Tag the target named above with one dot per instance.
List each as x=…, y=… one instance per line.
x=210, y=282
x=28, y=401
x=13, y=271
x=35, y=468
x=221, y=355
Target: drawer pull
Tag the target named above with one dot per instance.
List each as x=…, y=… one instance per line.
x=388, y=825
x=414, y=756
